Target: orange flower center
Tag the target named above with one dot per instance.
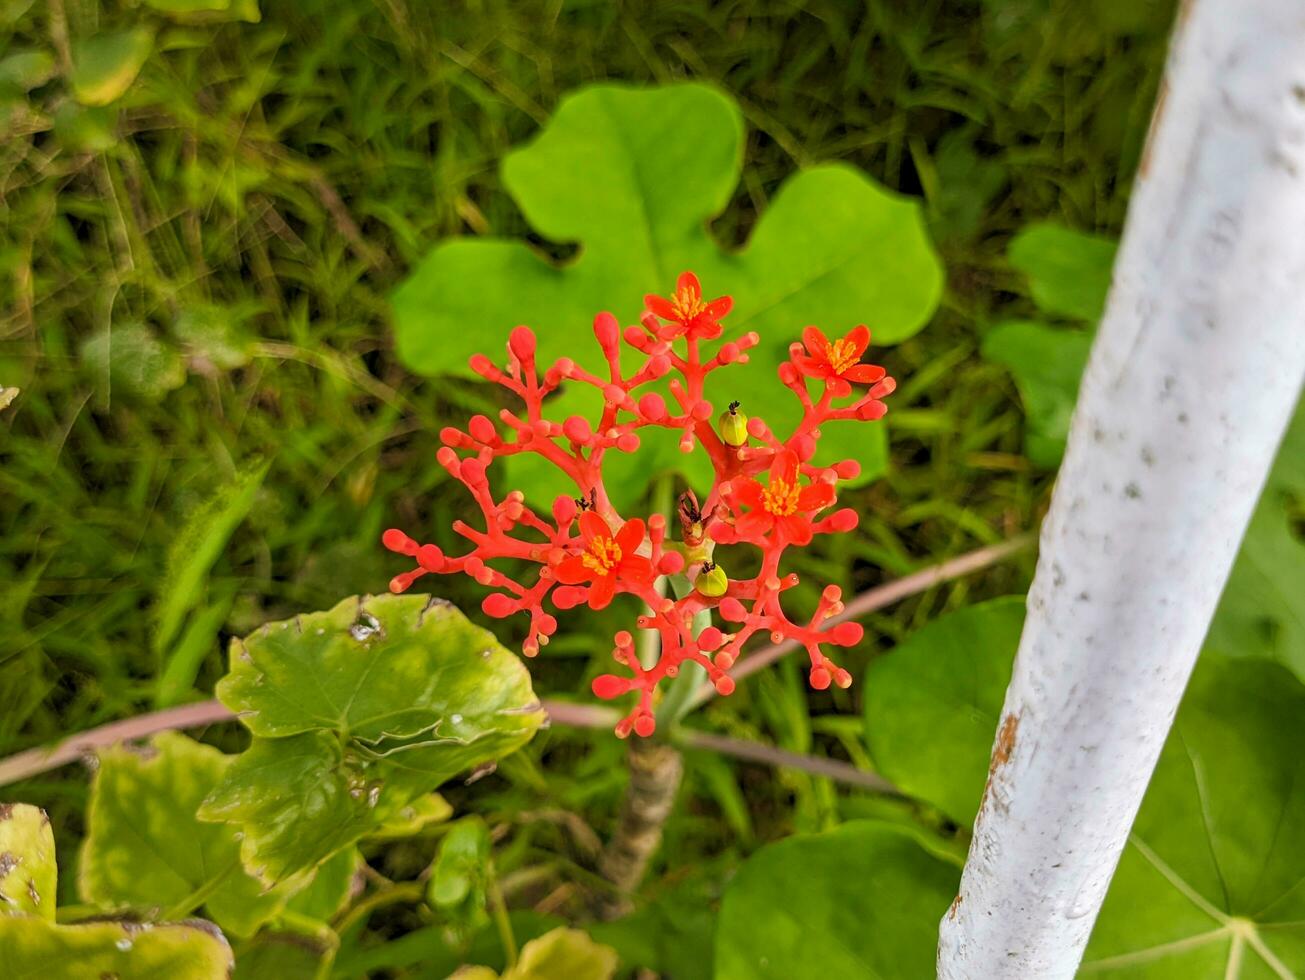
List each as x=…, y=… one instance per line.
x=842, y=355
x=603, y=555
x=687, y=303
x=780, y=498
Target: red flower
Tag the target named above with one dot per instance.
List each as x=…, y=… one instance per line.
x=692, y=315
x=783, y=503
x=839, y=361
x=606, y=558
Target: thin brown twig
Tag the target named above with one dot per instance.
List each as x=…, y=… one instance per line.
x=770, y=755
x=878, y=598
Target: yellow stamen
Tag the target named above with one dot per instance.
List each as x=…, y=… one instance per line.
x=780, y=498
x=687, y=304
x=842, y=355
x=603, y=555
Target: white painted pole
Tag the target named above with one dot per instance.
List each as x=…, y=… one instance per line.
x=1194, y=372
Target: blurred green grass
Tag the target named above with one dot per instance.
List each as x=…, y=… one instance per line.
x=281, y=176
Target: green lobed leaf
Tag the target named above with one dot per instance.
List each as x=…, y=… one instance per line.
x=862, y=900
x=27, y=861
x=146, y=850
x=191, y=950
x=1047, y=364
x=932, y=704
x=357, y=712
x=1212, y=883
x=1069, y=271
x=105, y=65
x=378, y=669
x=634, y=175
x=1262, y=612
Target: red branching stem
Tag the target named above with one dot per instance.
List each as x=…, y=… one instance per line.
x=586, y=552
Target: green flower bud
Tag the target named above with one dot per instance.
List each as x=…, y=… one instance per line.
x=712, y=580
x=734, y=426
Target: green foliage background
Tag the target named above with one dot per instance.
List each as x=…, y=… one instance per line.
x=213, y=428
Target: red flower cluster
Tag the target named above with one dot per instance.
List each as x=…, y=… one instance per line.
x=586, y=552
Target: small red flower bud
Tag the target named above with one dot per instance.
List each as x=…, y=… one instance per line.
x=871, y=410
x=473, y=471
x=702, y=410
x=608, y=686
x=608, y=332
x=482, y=428
x=645, y=725
x=842, y=521
x=564, y=509
x=569, y=596
x=403, y=581
x=671, y=563
x=521, y=342
x=577, y=429
x=731, y=610
x=430, y=558
x=396, y=540
x=710, y=638
x=847, y=634
x=724, y=685
x=497, y=605
x=820, y=678
x=847, y=469
x=450, y=436
x=652, y=406
x=628, y=443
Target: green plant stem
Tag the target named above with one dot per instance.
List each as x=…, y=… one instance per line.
x=498, y=908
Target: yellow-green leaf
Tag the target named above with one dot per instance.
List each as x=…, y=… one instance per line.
x=191, y=950
x=27, y=862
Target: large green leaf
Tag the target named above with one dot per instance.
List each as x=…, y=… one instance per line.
x=105, y=65
x=1069, y=271
x=1262, y=612
x=634, y=175
x=31, y=947
x=1047, y=364
x=932, y=704
x=27, y=861
x=357, y=712
x=1212, y=884
x=863, y=900
x=375, y=669
x=146, y=850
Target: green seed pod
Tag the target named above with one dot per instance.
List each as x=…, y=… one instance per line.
x=712, y=581
x=734, y=426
